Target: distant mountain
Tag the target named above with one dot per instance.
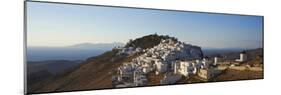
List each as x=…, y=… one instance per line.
x=97, y=45
x=74, y=52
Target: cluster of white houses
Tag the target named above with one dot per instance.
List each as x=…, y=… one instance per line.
x=174, y=59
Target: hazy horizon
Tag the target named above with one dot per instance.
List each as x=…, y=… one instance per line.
x=72, y=45
x=125, y=43
x=58, y=25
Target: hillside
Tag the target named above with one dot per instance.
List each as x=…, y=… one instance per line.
x=96, y=72
x=52, y=66
x=39, y=71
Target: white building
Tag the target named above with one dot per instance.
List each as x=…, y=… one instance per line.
x=130, y=50
x=217, y=59
x=160, y=67
x=243, y=57
x=184, y=68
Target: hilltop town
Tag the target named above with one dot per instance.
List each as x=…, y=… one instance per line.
x=173, y=61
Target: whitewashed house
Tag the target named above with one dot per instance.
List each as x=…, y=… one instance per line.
x=243, y=57
x=160, y=67
x=184, y=68
x=217, y=60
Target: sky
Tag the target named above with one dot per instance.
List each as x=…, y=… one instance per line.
x=52, y=25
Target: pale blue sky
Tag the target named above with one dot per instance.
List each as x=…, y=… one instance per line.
x=50, y=24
